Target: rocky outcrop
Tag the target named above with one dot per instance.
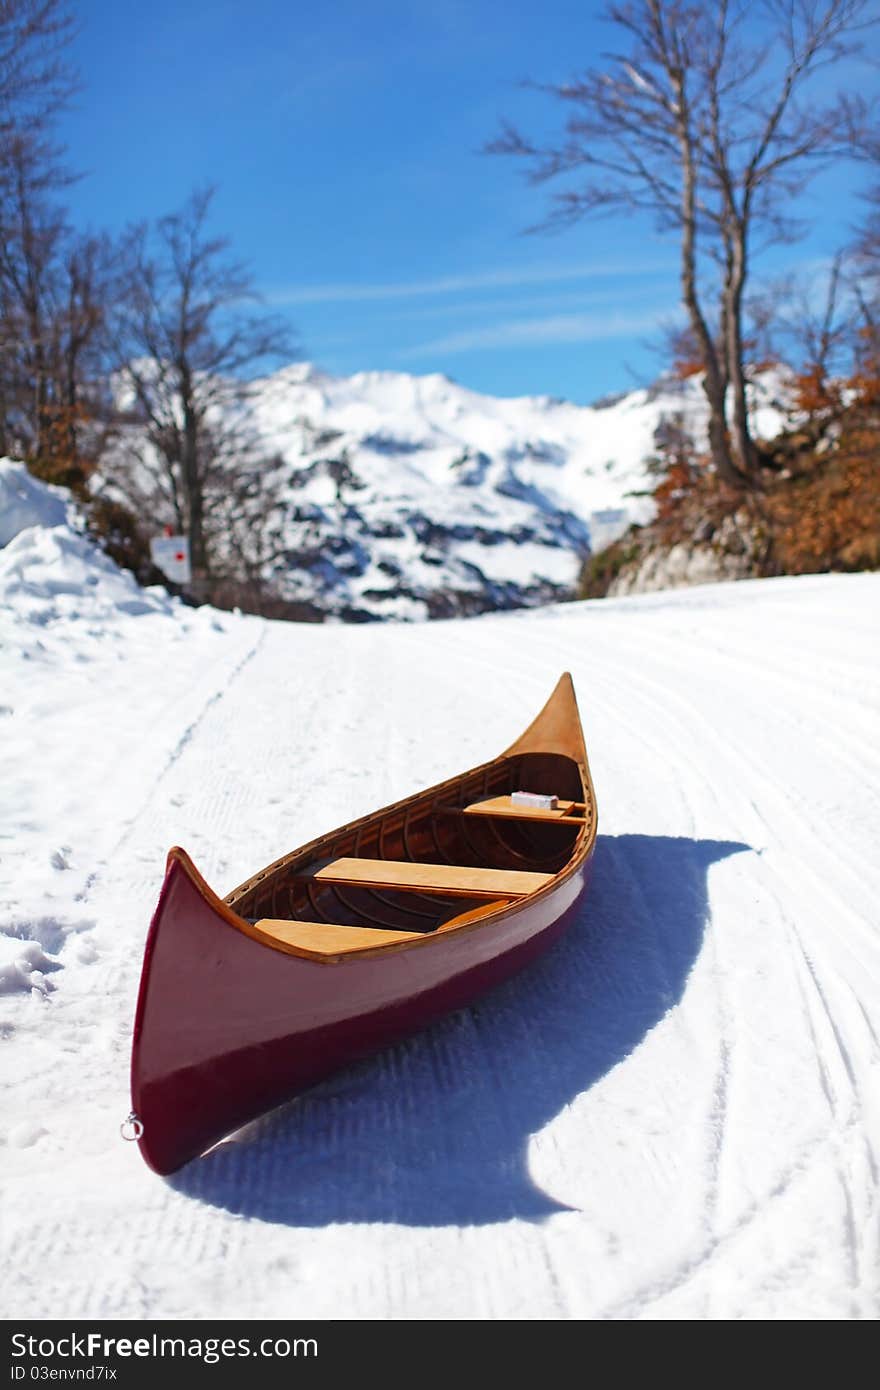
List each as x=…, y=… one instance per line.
x=732, y=551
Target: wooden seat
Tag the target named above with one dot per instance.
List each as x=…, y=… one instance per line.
x=505, y=806
x=458, y=880
x=320, y=940
x=330, y=942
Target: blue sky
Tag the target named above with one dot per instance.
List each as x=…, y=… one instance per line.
x=345, y=142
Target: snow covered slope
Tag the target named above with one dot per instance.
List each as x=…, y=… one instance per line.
x=673, y=1115
x=404, y=496
x=25, y=501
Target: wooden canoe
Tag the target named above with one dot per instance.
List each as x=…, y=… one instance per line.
x=355, y=940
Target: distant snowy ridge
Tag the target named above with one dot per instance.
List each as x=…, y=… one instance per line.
x=398, y=496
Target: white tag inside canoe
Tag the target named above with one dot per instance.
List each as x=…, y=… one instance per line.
x=536, y=800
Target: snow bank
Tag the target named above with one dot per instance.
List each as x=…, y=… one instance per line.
x=52, y=574
x=24, y=502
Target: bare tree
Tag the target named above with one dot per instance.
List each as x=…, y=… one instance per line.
x=41, y=286
x=709, y=122
x=35, y=78
x=53, y=287
x=866, y=279
x=186, y=344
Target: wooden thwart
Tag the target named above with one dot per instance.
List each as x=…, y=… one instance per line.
x=459, y=880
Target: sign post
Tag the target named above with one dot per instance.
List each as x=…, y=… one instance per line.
x=170, y=554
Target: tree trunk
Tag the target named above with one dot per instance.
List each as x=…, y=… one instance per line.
x=713, y=379
x=192, y=486
x=743, y=447
x=713, y=385
x=719, y=444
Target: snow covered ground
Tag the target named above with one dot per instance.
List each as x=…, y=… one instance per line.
x=673, y=1115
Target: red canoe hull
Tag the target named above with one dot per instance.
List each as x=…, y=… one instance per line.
x=227, y=1029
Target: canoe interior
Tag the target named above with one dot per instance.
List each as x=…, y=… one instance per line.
x=430, y=828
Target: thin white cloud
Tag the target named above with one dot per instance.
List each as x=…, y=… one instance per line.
x=510, y=277
x=558, y=328
x=564, y=300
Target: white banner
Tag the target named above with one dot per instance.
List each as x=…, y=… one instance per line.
x=170, y=554
x=607, y=526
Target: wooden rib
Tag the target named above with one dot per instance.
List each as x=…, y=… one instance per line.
x=508, y=848
x=444, y=856
x=404, y=836
x=459, y=810
x=407, y=850
x=380, y=839
x=457, y=879
x=389, y=902
x=532, y=859
x=316, y=907
x=438, y=847
x=477, y=856
x=381, y=922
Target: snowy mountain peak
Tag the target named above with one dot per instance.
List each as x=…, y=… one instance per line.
x=408, y=496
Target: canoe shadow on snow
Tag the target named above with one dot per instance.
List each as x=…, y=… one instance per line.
x=436, y=1131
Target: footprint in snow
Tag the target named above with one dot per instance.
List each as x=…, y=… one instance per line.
x=25, y=1135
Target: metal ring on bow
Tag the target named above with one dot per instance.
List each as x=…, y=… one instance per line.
x=131, y=1128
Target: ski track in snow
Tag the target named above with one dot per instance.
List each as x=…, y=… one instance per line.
x=673, y=1115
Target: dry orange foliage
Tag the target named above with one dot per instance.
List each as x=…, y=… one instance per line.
x=683, y=367
x=830, y=519
x=815, y=508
